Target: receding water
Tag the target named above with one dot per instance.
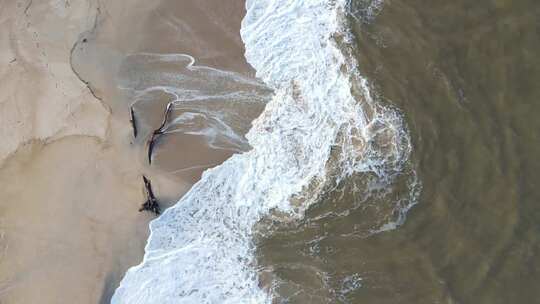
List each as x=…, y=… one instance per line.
x=465, y=75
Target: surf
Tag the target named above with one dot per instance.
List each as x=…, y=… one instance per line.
x=321, y=126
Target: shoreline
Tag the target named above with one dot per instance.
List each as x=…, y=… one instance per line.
x=68, y=218
x=77, y=179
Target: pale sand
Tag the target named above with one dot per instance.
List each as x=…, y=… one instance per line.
x=70, y=171
x=68, y=204
x=36, y=80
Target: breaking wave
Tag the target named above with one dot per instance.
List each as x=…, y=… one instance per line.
x=321, y=126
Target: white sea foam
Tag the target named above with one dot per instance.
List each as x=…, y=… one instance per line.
x=201, y=250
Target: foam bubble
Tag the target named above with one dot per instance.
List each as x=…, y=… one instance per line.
x=201, y=250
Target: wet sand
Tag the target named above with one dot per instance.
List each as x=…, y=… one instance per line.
x=70, y=168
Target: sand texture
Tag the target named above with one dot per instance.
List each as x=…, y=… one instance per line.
x=70, y=169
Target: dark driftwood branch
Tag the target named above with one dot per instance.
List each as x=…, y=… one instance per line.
x=165, y=116
x=28, y=7
x=133, y=122
x=151, y=203
x=159, y=131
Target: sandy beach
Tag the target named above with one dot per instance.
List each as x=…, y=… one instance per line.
x=397, y=161
x=70, y=168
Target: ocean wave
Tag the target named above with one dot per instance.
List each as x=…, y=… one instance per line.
x=321, y=126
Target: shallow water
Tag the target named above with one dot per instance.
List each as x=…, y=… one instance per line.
x=418, y=188
x=465, y=75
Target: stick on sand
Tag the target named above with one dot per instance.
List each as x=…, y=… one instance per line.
x=151, y=203
x=133, y=122
x=158, y=131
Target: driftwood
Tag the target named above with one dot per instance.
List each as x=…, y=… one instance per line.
x=133, y=121
x=151, y=203
x=157, y=132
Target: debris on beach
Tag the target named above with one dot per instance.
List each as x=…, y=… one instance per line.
x=157, y=132
x=151, y=203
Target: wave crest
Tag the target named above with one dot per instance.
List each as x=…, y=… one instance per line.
x=312, y=132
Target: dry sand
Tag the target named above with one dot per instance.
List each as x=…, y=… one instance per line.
x=70, y=171
x=36, y=80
